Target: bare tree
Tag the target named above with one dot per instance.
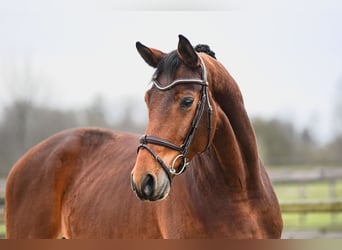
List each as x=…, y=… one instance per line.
x=24, y=122
x=94, y=115
x=333, y=149
x=20, y=88
x=337, y=120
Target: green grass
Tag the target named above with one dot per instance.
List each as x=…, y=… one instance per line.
x=2, y=230
x=319, y=221
x=311, y=192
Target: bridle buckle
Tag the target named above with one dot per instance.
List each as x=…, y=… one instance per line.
x=182, y=168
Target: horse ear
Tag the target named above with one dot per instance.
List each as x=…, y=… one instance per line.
x=151, y=56
x=187, y=53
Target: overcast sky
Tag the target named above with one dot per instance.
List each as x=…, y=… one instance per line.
x=285, y=55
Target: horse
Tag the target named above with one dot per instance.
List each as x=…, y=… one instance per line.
x=101, y=183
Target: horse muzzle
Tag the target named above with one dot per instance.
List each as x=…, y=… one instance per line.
x=151, y=188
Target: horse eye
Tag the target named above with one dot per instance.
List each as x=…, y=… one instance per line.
x=186, y=102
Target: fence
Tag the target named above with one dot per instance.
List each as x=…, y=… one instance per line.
x=297, y=210
x=311, y=201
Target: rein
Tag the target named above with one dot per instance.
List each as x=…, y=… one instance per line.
x=184, y=147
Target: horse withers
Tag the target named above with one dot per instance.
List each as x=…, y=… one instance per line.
x=197, y=169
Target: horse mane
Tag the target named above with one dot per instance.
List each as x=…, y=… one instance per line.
x=228, y=96
x=205, y=49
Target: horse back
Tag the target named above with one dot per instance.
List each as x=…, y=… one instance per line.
x=40, y=182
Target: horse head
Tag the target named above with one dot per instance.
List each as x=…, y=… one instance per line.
x=180, y=121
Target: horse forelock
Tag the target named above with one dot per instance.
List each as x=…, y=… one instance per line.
x=169, y=64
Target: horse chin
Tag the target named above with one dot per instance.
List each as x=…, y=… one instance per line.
x=160, y=194
x=163, y=192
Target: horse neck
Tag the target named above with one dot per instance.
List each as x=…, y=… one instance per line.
x=234, y=146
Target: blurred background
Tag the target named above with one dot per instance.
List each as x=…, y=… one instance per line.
x=73, y=63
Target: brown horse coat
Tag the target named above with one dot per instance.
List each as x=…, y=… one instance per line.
x=77, y=184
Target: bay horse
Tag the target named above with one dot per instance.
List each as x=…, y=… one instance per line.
x=77, y=183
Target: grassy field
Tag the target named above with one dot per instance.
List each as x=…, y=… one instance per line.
x=311, y=192
x=2, y=230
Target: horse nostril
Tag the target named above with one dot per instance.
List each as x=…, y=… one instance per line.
x=147, y=186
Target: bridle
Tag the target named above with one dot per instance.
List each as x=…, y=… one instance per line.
x=184, y=147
